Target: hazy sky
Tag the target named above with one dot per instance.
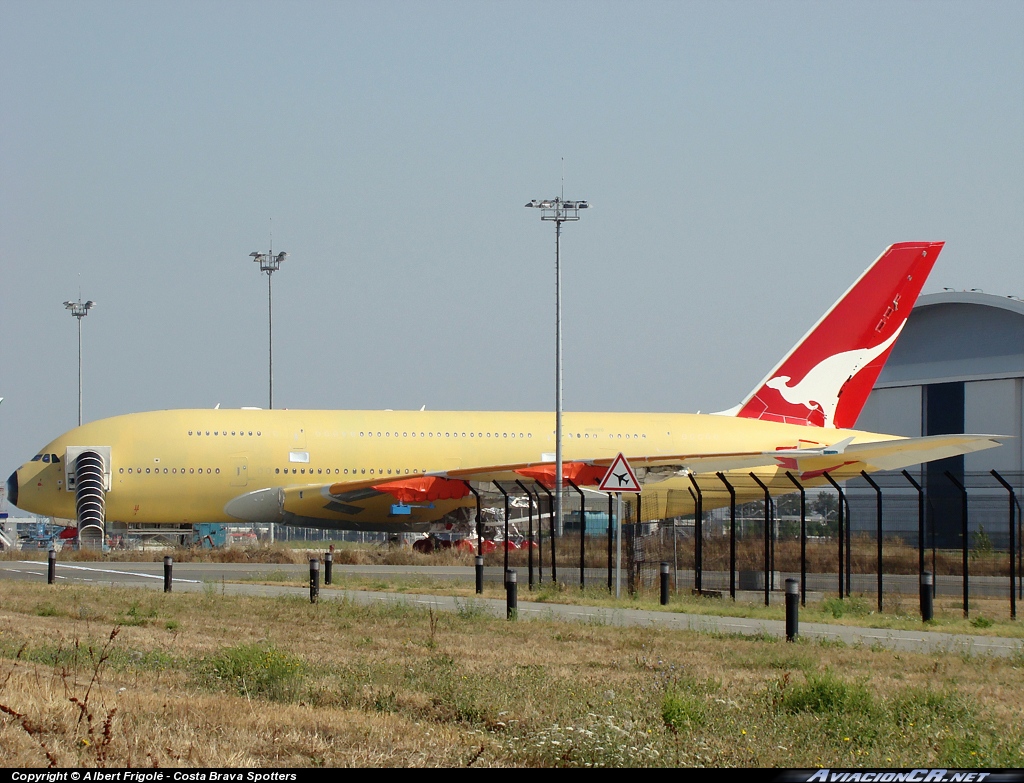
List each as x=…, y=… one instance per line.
x=745, y=162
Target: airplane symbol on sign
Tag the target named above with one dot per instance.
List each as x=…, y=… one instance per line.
x=620, y=477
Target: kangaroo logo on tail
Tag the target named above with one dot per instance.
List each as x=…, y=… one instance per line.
x=839, y=359
x=821, y=388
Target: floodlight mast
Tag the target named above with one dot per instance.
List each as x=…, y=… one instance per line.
x=558, y=211
x=79, y=310
x=270, y=263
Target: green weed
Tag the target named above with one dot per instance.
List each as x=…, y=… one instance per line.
x=470, y=610
x=825, y=693
x=258, y=671
x=854, y=606
x=137, y=616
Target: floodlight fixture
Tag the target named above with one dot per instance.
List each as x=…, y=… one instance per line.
x=269, y=263
x=558, y=210
x=79, y=310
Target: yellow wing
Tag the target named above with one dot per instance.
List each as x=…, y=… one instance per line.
x=412, y=503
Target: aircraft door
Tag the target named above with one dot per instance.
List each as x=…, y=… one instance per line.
x=239, y=471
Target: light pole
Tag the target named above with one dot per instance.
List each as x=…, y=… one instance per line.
x=79, y=310
x=558, y=211
x=270, y=263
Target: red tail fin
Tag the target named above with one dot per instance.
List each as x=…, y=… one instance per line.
x=825, y=380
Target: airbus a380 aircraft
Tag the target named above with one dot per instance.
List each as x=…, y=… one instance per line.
x=402, y=470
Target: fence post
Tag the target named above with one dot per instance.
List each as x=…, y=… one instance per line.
x=698, y=536
x=479, y=520
x=529, y=538
x=611, y=540
x=664, y=583
x=583, y=531
x=732, y=535
x=964, y=533
x=51, y=566
x=168, y=566
x=504, y=494
x=920, y=523
x=878, y=531
x=479, y=574
x=767, y=540
x=540, y=523
x=839, y=521
x=803, y=537
x=1013, y=544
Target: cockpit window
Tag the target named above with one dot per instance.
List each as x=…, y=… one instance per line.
x=54, y=458
x=37, y=457
x=46, y=458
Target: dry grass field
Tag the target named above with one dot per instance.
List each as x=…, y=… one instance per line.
x=822, y=556
x=116, y=677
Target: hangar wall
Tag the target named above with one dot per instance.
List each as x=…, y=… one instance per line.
x=957, y=345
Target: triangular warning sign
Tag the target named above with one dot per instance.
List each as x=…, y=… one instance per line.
x=620, y=477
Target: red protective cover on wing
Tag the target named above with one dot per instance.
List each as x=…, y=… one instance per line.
x=424, y=488
x=579, y=473
x=826, y=379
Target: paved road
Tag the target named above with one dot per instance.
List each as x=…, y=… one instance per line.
x=199, y=576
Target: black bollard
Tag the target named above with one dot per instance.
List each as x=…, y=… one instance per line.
x=168, y=565
x=314, y=580
x=511, y=594
x=479, y=574
x=664, y=583
x=792, y=609
x=328, y=563
x=927, y=582
x=51, y=566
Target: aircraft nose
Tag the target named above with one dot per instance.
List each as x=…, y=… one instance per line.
x=12, y=488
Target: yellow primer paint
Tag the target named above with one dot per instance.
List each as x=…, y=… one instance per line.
x=183, y=466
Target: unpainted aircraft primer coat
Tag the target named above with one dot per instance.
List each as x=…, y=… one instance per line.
x=350, y=469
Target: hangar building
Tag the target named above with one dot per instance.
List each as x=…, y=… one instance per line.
x=958, y=366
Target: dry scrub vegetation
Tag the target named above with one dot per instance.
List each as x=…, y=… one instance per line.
x=119, y=677
x=822, y=556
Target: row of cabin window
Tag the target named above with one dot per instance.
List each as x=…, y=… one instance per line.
x=46, y=457
x=173, y=470
x=496, y=435
x=225, y=432
x=354, y=471
x=448, y=435
x=320, y=471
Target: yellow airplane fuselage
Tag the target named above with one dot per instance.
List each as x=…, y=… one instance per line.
x=185, y=466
